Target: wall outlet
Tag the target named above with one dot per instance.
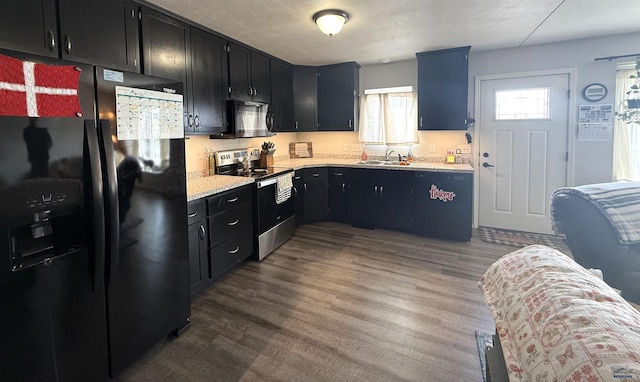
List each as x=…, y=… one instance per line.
x=356, y=147
x=464, y=149
x=345, y=147
x=432, y=148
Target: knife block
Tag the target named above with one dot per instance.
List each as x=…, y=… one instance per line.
x=266, y=160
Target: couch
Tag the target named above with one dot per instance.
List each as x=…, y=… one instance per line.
x=557, y=321
x=601, y=225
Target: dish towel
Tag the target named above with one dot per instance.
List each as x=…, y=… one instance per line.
x=284, y=184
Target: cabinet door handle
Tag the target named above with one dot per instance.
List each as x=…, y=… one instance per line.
x=67, y=44
x=278, y=218
x=343, y=185
x=296, y=125
x=315, y=175
x=202, y=232
x=52, y=40
x=197, y=121
x=193, y=215
x=234, y=251
x=381, y=188
x=305, y=187
x=255, y=92
x=232, y=200
x=297, y=177
x=250, y=91
x=338, y=174
x=295, y=191
x=375, y=190
x=233, y=223
x=350, y=123
x=420, y=121
x=190, y=120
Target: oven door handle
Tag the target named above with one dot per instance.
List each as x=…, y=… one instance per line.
x=267, y=182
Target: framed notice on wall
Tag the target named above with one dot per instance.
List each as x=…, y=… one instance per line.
x=595, y=123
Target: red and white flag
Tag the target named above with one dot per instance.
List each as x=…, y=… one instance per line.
x=38, y=90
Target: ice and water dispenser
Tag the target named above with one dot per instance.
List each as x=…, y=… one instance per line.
x=43, y=218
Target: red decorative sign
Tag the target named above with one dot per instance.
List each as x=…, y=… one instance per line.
x=38, y=90
x=445, y=196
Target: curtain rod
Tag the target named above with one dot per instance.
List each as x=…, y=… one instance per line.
x=616, y=57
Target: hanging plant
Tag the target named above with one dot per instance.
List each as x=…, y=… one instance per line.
x=629, y=109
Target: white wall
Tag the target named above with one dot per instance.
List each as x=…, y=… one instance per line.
x=592, y=160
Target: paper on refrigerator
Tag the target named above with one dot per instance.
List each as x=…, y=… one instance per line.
x=148, y=114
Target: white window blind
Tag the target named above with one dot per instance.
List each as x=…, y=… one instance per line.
x=388, y=118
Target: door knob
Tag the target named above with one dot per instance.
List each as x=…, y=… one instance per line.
x=486, y=155
x=485, y=164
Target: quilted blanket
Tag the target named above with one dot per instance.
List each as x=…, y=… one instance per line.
x=618, y=201
x=559, y=322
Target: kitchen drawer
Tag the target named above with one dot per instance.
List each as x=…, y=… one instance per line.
x=228, y=254
x=195, y=211
x=338, y=174
x=229, y=199
x=230, y=222
x=310, y=174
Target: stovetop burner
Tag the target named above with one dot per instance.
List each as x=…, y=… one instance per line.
x=232, y=163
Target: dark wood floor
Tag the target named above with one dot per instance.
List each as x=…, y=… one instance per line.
x=337, y=303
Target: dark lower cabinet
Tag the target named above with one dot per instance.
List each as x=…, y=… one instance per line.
x=316, y=197
x=298, y=194
x=231, y=229
x=339, y=194
x=443, y=205
x=381, y=198
x=198, y=257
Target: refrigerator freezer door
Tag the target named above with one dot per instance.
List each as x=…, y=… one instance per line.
x=148, y=294
x=52, y=315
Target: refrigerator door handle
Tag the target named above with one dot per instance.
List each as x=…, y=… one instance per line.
x=112, y=211
x=93, y=151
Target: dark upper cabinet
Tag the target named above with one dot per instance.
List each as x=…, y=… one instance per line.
x=29, y=26
x=305, y=98
x=100, y=32
x=338, y=87
x=166, y=48
x=97, y=32
x=206, y=83
x=249, y=75
x=281, y=105
x=443, y=89
x=175, y=50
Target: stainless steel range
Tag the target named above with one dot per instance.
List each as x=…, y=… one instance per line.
x=274, y=213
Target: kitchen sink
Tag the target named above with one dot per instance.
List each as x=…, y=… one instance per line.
x=382, y=162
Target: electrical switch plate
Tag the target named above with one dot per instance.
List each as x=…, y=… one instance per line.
x=356, y=147
x=345, y=147
x=464, y=149
x=432, y=148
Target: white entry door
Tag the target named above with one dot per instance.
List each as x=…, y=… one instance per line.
x=523, y=129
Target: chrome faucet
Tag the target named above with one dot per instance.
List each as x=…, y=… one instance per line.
x=387, y=153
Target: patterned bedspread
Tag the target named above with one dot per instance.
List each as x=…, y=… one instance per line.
x=558, y=322
x=618, y=201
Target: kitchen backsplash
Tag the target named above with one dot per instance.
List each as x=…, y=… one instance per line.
x=433, y=146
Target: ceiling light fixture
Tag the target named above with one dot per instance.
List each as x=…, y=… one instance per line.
x=330, y=21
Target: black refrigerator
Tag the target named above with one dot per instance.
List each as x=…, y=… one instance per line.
x=93, y=233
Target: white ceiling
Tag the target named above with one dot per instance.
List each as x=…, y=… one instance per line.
x=395, y=30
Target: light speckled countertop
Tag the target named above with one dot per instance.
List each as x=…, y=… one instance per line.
x=350, y=162
x=206, y=186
